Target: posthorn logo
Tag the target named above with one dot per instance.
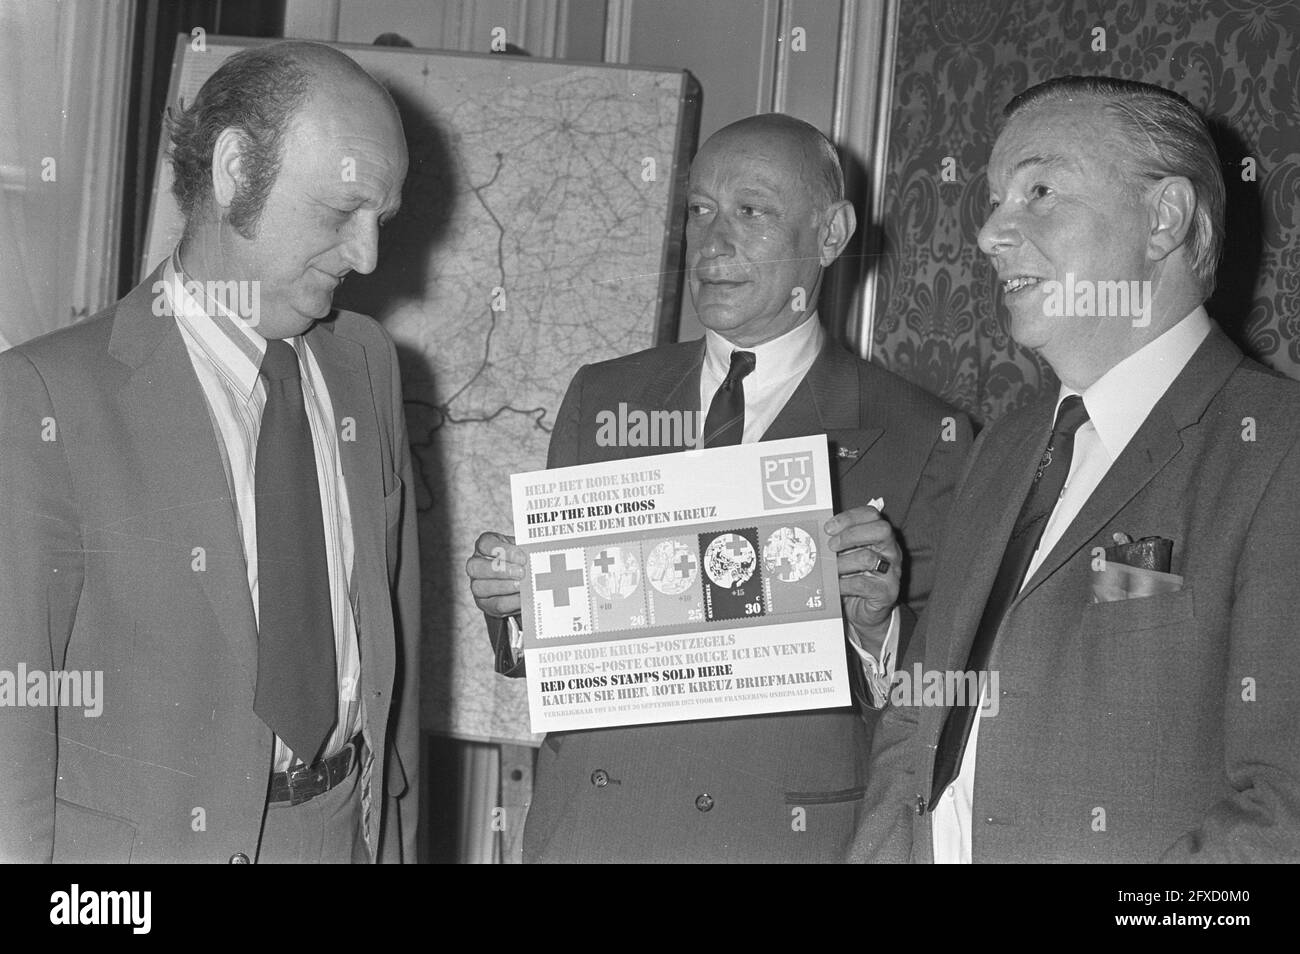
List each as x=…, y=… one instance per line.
x=788, y=480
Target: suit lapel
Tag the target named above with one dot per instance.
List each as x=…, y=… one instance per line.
x=1155, y=444
x=829, y=400
x=164, y=409
x=356, y=426
x=990, y=504
x=675, y=387
x=342, y=364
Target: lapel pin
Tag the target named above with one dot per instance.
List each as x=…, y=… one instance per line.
x=847, y=453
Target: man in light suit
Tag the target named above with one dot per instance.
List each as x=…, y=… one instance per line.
x=766, y=216
x=207, y=501
x=1124, y=553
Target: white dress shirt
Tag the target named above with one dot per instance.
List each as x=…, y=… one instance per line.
x=1118, y=403
x=779, y=366
x=226, y=353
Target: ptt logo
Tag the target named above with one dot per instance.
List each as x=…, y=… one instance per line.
x=788, y=480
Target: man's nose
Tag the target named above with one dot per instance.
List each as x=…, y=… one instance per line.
x=999, y=232
x=361, y=251
x=715, y=238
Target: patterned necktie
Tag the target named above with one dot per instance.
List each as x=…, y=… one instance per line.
x=725, y=423
x=297, y=688
x=1046, y=489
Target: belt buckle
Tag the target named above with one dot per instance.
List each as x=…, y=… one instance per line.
x=321, y=773
x=301, y=774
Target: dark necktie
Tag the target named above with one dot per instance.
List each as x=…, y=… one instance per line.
x=1044, y=492
x=297, y=692
x=725, y=423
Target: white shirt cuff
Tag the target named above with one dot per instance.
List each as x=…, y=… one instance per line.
x=878, y=673
x=516, y=640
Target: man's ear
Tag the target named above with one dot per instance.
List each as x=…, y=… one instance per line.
x=227, y=166
x=1172, y=205
x=841, y=222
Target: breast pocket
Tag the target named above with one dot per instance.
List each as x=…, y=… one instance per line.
x=1139, y=613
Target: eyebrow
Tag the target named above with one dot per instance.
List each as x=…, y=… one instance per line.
x=354, y=195
x=761, y=191
x=362, y=199
x=1041, y=159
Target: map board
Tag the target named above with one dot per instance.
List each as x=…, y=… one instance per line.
x=540, y=230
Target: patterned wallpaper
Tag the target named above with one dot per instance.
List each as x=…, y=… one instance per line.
x=939, y=321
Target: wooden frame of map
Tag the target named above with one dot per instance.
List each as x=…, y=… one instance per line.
x=541, y=229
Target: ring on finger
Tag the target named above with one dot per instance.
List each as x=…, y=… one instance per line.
x=882, y=566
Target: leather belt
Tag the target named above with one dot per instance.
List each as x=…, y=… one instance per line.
x=305, y=782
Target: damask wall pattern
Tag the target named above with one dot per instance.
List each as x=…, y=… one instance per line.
x=939, y=321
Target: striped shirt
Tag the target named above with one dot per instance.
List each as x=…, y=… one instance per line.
x=226, y=353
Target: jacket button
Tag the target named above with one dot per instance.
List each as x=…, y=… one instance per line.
x=600, y=778
x=919, y=808
x=239, y=858
x=704, y=803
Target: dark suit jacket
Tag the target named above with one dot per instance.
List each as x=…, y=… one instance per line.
x=1156, y=727
x=756, y=769
x=100, y=570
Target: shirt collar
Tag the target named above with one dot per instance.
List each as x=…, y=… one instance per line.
x=230, y=342
x=791, y=353
x=1121, y=399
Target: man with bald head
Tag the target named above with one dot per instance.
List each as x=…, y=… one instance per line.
x=209, y=509
x=766, y=217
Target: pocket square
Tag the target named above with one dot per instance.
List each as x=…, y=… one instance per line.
x=877, y=502
x=1135, y=568
x=1149, y=553
x=1118, y=581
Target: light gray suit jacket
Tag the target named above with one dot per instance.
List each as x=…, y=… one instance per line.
x=1162, y=727
x=103, y=528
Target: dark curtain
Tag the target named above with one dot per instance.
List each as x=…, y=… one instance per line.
x=939, y=318
x=157, y=23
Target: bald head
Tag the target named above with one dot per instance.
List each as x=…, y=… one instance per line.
x=811, y=157
x=324, y=62
x=333, y=77
x=766, y=215
x=258, y=92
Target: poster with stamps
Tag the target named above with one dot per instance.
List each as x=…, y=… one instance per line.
x=691, y=585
